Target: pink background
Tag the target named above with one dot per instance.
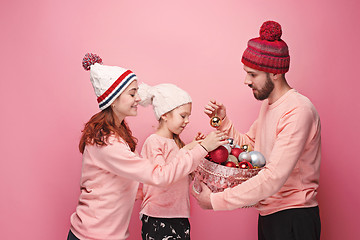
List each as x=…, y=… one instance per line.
x=46, y=96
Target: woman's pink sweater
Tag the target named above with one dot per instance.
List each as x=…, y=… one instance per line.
x=109, y=183
x=287, y=133
x=171, y=201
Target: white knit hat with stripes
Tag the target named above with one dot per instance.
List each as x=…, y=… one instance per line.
x=108, y=81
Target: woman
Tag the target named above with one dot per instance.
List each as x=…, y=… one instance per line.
x=111, y=169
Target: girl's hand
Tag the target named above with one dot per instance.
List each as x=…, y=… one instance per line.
x=214, y=139
x=200, y=136
x=197, y=139
x=214, y=107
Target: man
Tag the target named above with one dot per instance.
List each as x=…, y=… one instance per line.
x=287, y=133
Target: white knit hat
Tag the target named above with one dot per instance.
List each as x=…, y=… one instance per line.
x=108, y=81
x=164, y=97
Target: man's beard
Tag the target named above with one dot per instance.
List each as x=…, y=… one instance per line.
x=264, y=92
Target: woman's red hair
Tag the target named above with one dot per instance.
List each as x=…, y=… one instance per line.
x=101, y=126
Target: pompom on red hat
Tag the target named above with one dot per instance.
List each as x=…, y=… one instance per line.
x=267, y=53
x=108, y=81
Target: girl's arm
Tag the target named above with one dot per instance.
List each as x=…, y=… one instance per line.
x=120, y=160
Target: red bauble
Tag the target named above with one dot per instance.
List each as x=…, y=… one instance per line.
x=236, y=152
x=245, y=165
x=230, y=164
x=219, y=155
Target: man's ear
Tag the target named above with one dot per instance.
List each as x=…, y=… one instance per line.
x=274, y=76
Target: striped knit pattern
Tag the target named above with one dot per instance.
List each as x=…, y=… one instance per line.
x=116, y=89
x=267, y=56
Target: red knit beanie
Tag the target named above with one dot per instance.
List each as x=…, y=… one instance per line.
x=267, y=53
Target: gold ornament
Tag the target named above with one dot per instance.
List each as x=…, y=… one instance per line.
x=215, y=121
x=246, y=148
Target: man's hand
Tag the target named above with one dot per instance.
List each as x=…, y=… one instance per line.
x=213, y=107
x=203, y=198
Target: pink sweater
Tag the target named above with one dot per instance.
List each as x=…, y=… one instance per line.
x=171, y=201
x=287, y=133
x=109, y=183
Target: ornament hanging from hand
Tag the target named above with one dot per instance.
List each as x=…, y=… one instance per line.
x=215, y=121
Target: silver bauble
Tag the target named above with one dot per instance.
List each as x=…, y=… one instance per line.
x=228, y=147
x=231, y=141
x=244, y=156
x=257, y=159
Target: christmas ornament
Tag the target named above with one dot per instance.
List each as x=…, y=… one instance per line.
x=257, y=159
x=219, y=155
x=246, y=148
x=231, y=142
x=244, y=156
x=228, y=147
x=215, y=121
x=236, y=151
x=230, y=164
x=233, y=159
x=245, y=165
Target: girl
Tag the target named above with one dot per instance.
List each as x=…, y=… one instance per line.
x=165, y=210
x=111, y=168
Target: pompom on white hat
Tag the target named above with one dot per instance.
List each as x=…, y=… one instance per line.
x=108, y=81
x=164, y=97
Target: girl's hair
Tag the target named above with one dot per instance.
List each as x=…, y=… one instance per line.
x=176, y=137
x=101, y=126
x=178, y=141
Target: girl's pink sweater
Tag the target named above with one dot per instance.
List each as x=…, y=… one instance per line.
x=171, y=201
x=287, y=133
x=109, y=183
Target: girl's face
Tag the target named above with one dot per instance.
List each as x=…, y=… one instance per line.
x=177, y=119
x=126, y=104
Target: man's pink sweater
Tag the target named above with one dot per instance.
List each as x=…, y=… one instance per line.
x=109, y=183
x=287, y=133
x=171, y=201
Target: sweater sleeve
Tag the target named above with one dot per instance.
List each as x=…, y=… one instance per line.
x=248, y=138
x=120, y=160
x=293, y=132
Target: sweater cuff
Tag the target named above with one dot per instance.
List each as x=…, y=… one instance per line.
x=226, y=122
x=217, y=201
x=198, y=153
